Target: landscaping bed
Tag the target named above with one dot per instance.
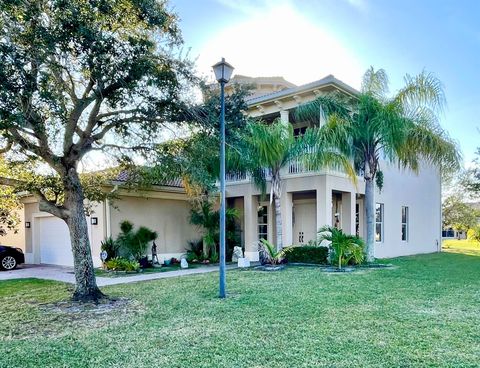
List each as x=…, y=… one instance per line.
x=112, y=273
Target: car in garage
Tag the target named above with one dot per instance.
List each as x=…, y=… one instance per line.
x=10, y=257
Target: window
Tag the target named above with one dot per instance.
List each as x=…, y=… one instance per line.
x=298, y=132
x=379, y=222
x=357, y=219
x=262, y=222
x=404, y=223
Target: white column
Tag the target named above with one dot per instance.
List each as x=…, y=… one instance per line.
x=324, y=204
x=250, y=209
x=284, y=116
x=287, y=220
x=348, y=212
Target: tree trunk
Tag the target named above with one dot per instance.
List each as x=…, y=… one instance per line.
x=86, y=289
x=278, y=222
x=276, y=193
x=370, y=214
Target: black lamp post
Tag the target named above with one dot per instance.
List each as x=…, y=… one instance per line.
x=223, y=72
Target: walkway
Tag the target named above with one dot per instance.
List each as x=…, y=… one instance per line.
x=65, y=274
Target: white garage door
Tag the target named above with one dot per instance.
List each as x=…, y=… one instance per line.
x=54, y=241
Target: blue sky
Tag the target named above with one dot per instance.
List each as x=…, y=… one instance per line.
x=306, y=40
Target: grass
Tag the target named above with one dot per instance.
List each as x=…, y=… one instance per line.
x=421, y=313
x=461, y=246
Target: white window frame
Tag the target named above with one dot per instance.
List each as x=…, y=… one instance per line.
x=406, y=224
x=261, y=224
x=381, y=222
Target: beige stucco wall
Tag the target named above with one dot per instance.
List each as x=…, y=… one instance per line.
x=168, y=217
x=97, y=232
x=30, y=209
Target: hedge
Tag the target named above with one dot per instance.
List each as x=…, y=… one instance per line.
x=307, y=254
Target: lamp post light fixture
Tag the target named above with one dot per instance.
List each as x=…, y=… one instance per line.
x=223, y=72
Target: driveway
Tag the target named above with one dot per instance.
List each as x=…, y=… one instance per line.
x=65, y=274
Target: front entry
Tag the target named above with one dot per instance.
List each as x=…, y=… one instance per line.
x=304, y=221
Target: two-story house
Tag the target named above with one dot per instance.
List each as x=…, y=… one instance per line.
x=408, y=217
x=408, y=208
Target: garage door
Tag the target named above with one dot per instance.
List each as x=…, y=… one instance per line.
x=54, y=241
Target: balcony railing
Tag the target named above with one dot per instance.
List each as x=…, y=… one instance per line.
x=236, y=176
x=298, y=165
x=294, y=167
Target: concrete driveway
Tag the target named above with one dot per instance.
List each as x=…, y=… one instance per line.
x=65, y=274
x=46, y=272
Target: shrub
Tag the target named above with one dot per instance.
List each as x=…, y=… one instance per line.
x=208, y=220
x=346, y=249
x=122, y=264
x=134, y=243
x=270, y=254
x=111, y=247
x=214, y=258
x=195, y=251
x=474, y=234
x=307, y=254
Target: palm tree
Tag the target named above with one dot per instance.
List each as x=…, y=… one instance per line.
x=265, y=149
x=345, y=247
x=206, y=218
x=401, y=129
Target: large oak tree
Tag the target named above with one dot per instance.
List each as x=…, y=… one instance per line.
x=78, y=76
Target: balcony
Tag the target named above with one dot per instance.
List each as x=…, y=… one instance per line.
x=296, y=167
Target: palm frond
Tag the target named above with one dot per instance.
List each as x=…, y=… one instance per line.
x=321, y=108
x=431, y=144
x=329, y=147
x=424, y=89
x=375, y=83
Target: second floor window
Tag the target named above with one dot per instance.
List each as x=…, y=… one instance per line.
x=298, y=132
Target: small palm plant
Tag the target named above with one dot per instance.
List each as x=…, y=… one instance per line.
x=272, y=255
x=206, y=218
x=345, y=247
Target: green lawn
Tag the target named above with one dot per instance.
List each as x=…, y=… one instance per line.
x=422, y=313
x=461, y=246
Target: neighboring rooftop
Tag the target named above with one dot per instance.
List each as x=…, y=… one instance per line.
x=261, y=85
x=328, y=80
x=124, y=176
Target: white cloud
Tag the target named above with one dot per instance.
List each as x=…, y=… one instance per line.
x=277, y=40
x=359, y=4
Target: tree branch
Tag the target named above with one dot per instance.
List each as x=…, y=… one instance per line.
x=44, y=203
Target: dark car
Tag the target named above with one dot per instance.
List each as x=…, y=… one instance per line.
x=10, y=257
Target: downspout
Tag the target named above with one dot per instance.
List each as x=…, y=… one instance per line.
x=108, y=220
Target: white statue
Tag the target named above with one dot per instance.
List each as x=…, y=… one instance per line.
x=237, y=253
x=183, y=263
